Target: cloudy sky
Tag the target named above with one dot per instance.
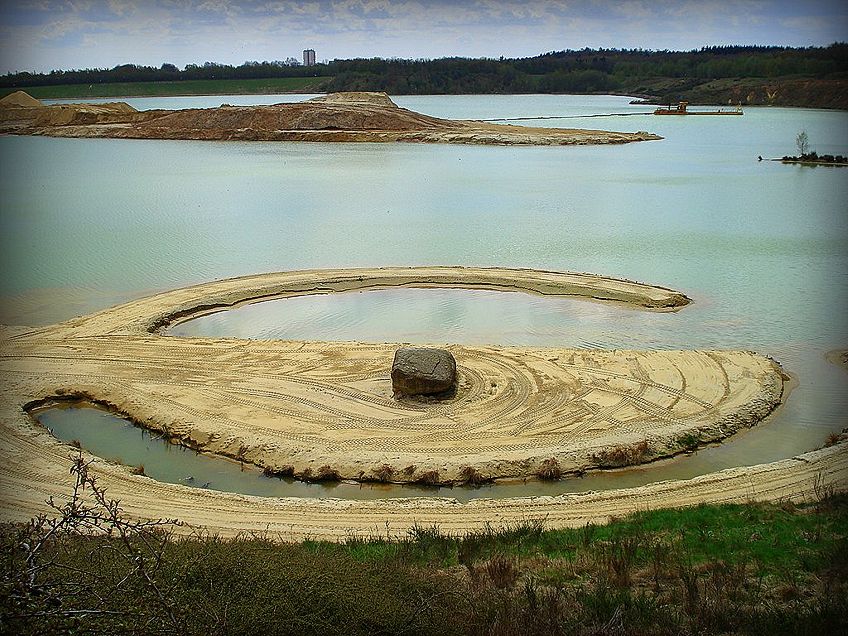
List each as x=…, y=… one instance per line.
x=40, y=35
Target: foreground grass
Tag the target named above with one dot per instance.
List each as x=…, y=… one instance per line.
x=753, y=569
x=167, y=89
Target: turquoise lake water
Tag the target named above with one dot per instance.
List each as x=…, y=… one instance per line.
x=762, y=248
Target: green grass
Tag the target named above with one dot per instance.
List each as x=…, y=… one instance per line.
x=776, y=538
x=748, y=569
x=167, y=89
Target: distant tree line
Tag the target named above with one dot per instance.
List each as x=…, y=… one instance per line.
x=583, y=71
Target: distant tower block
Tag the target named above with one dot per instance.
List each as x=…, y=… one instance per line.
x=308, y=57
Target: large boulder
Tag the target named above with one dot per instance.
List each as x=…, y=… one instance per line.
x=423, y=371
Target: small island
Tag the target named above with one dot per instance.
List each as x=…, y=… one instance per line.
x=337, y=117
x=812, y=158
x=809, y=157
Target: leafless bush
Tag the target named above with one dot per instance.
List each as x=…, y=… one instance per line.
x=34, y=593
x=473, y=477
x=428, y=478
x=834, y=438
x=384, y=473
x=623, y=455
x=549, y=470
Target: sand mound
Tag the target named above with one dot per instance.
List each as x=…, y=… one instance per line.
x=20, y=99
x=372, y=98
x=65, y=114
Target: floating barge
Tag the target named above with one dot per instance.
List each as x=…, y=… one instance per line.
x=682, y=110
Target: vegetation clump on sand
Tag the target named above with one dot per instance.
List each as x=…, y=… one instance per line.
x=753, y=569
x=623, y=455
x=814, y=158
x=808, y=156
x=549, y=470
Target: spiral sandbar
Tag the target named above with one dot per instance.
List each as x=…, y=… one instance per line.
x=311, y=405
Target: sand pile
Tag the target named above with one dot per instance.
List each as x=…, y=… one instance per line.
x=360, y=97
x=66, y=114
x=20, y=99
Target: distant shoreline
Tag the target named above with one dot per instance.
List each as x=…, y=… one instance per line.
x=70, y=100
x=795, y=93
x=184, y=88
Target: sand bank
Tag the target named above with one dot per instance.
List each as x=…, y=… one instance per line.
x=359, y=117
x=313, y=404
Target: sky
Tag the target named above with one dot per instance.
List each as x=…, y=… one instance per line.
x=42, y=35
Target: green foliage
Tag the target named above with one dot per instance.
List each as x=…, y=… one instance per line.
x=583, y=71
x=689, y=441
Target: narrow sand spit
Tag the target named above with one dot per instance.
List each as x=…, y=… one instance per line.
x=314, y=404
x=361, y=117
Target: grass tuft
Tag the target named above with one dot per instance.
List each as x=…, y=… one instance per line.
x=327, y=473
x=501, y=570
x=689, y=442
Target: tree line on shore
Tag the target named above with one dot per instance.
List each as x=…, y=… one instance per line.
x=570, y=71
